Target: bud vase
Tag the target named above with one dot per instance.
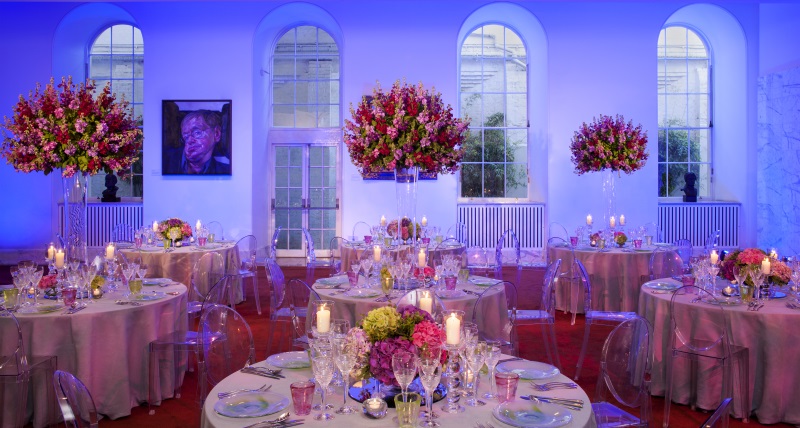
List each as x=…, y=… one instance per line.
x=75, y=230
x=406, y=193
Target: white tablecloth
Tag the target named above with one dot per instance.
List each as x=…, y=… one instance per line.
x=354, y=252
x=105, y=346
x=615, y=275
x=772, y=337
x=467, y=419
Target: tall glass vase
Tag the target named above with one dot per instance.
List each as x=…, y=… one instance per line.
x=609, y=196
x=75, y=231
x=406, y=188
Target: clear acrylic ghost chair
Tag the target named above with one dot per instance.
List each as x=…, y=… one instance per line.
x=665, y=264
x=312, y=263
x=215, y=231
x=568, y=278
x=16, y=373
x=625, y=367
x=721, y=417
x=207, y=271
x=684, y=249
x=512, y=261
x=558, y=231
x=710, y=343
x=273, y=244
x=361, y=229
x=457, y=231
x=447, y=246
x=411, y=298
x=336, y=245
x=183, y=342
x=608, y=318
x=247, y=247
x=279, y=310
x=300, y=297
x=225, y=344
x=122, y=232
x=77, y=405
x=478, y=261
x=712, y=242
x=490, y=328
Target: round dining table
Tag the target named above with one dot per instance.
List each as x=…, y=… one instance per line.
x=178, y=263
x=355, y=251
x=770, y=334
x=104, y=345
x=469, y=418
x=353, y=305
x=616, y=275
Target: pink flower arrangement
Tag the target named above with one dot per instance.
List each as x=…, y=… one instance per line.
x=72, y=129
x=406, y=127
x=168, y=225
x=609, y=143
x=48, y=281
x=752, y=258
x=406, y=231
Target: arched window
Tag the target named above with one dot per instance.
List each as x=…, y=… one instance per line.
x=494, y=95
x=305, y=137
x=684, y=111
x=117, y=56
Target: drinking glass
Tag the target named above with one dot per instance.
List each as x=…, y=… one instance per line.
x=407, y=405
x=739, y=274
x=404, y=366
x=339, y=329
x=430, y=377
x=492, y=354
x=34, y=277
x=758, y=278
x=128, y=271
x=387, y=285
x=323, y=368
x=345, y=358
x=366, y=265
x=475, y=360
x=69, y=294
x=302, y=396
x=11, y=298
x=506, y=386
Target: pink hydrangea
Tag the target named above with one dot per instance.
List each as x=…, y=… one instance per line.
x=380, y=358
x=48, y=281
x=751, y=256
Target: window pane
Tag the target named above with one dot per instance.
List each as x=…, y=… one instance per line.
x=315, y=177
x=283, y=116
x=295, y=219
x=701, y=146
x=514, y=47
x=494, y=145
x=698, y=111
x=326, y=43
x=676, y=78
x=494, y=72
x=281, y=155
x=662, y=180
x=698, y=76
x=473, y=149
x=517, y=75
x=516, y=180
x=517, y=143
x=283, y=92
x=281, y=176
x=471, y=73
x=517, y=110
x=282, y=68
x=100, y=66
x=327, y=67
x=471, y=181
x=662, y=145
x=471, y=107
x=295, y=177
x=315, y=216
x=306, y=92
x=493, y=110
x=703, y=172
x=138, y=91
x=494, y=180
x=307, y=38
x=306, y=116
x=678, y=146
x=295, y=239
x=329, y=92
x=285, y=44
x=676, y=110
x=676, y=182
x=121, y=67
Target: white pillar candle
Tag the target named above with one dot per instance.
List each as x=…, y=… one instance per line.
x=589, y=220
x=773, y=254
x=51, y=252
x=376, y=253
x=452, y=328
x=426, y=303
x=766, y=266
x=622, y=220
x=59, y=259
x=421, y=258
x=323, y=320
x=424, y=221
x=383, y=220
x=714, y=257
x=198, y=225
x=612, y=221
x=110, y=251
x=155, y=226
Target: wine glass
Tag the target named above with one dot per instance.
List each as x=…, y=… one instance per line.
x=141, y=272
x=758, y=278
x=323, y=367
x=387, y=284
x=475, y=359
x=339, y=329
x=128, y=271
x=345, y=358
x=739, y=274
x=34, y=277
x=430, y=379
x=492, y=354
x=404, y=366
x=366, y=265
x=174, y=234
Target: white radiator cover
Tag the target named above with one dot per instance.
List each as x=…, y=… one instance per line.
x=696, y=222
x=485, y=223
x=102, y=217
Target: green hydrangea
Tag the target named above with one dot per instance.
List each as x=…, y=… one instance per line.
x=381, y=323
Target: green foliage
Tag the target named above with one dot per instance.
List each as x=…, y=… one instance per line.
x=498, y=154
x=680, y=149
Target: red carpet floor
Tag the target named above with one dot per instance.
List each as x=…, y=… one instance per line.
x=185, y=412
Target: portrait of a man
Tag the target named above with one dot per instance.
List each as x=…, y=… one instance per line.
x=196, y=138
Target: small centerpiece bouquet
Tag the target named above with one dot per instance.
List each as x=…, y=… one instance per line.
x=166, y=228
x=408, y=126
x=620, y=238
x=594, y=238
x=386, y=330
x=48, y=285
x=406, y=230
x=780, y=274
x=609, y=143
x=70, y=128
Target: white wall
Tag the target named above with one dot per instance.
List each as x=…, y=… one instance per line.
x=779, y=31
x=601, y=58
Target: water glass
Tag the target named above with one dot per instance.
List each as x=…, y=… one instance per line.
x=302, y=396
x=408, y=406
x=463, y=275
x=506, y=386
x=573, y=240
x=450, y=282
x=367, y=239
x=11, y=295
x=648, y=240
x=69, y=294
x=637, y=243
x=353, y=278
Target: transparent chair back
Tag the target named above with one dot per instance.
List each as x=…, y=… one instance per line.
x=274, y=242
x=501, y=259
x=684, y=249
x=457, y=231
x=77, y=405
x=448, y=246
x=651, y=229
x=122, y=232
x=278, y=287
x=361, y=229
x=247, y=247
x=476, y=258
x=625, y=367
x=215, y=229
x=226, y=342
x=548, y=303
x=485, y=314
x=336, y=245
x=558, y=231
x=665, y=264
x=311, y=254
x=300, y=296
x=686, y=335
x=209, y=269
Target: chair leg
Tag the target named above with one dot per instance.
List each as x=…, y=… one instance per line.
x=583, y=348
x=270, y=335
x=255, y=293
x=555, y=346
x=668, y=389
x=152, y=383
x=546, y=340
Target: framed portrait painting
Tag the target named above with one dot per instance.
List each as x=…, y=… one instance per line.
x=196, y=137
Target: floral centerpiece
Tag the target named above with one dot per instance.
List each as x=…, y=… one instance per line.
x=752, y=258
x=167, y=226
x=594, y=238
x=620, y=238
x=408, y=126
x=387, y=330
x=48, y=285
x=609, y=143
x=406, y=230
x=72, y=129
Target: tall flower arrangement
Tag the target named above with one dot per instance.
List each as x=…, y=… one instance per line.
x=609, y=143
x=405, y=127
x=72, y=128
x=752, y=258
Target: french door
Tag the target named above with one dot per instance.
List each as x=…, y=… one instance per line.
x=305, y=196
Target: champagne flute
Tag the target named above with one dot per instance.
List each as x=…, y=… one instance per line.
x=475, y=360
x=404, y=366
x=345, y=358
x=323, y=368
x=430, y=380
x=492, y=354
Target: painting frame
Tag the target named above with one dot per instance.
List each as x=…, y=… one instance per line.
x=196, y=137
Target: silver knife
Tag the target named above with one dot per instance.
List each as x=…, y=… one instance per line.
x=289, y=423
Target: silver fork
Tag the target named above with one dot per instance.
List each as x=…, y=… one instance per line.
x=553, y=385
x=263, y=388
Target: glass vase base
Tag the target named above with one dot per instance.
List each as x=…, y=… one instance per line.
x=346, y=410
x=323, y=417
x=453, y=409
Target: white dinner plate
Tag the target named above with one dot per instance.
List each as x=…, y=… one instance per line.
x=146, y=297
x=661, y=244
x=333, y=281
x=363, y=293
x=156, y=281
x=44, y=308
x=149, y=248
x=251, y=404
x=290, y=360
x=662, y=285
x=482, y=281
x=532, y=370
x=450, y=294
x=531, y=414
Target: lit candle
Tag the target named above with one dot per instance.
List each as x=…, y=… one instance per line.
x=426, y=302
x=323, y=319
x=773, y=254
x=728, y=290
x=110, y=251
x=612, y=221
x=198, y=225
x=622, y=220
x=376, y=253
x=421, y=258
x=155, y=226
x=424, y=221
x=97, y=292
x=59, y=259
x=766, y=266
x=714, y=257
x=383, y=220
x=452, y=328
x=51, y=252
x=589, y=220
